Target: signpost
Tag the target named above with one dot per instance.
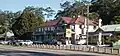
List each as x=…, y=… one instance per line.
x=68, y=35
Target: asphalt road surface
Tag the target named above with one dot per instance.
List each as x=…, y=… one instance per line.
x=22, y=51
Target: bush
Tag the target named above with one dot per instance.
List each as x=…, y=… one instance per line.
x=2, y=30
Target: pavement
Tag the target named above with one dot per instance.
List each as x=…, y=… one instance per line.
x=23, y=51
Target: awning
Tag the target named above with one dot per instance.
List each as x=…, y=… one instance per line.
x=59, y=33
x=103, y=34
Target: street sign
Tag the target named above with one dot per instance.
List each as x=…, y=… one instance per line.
x=68, y=32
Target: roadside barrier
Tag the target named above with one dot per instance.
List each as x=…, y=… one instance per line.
x=103, y=50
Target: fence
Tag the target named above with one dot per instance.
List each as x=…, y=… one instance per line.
x=103, y=50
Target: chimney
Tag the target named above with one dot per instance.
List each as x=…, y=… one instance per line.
x=78, y=16
x=73, y=16
x=100, y=23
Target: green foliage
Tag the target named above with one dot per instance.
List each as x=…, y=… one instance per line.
x=2, y=30
x=7, y=18
x=116, y=44
x=116, y=41
x=26, y=23
x=72, y=10
x=2, y=19
x=107, y=10
x=94, y=16
x=110, y=40
x=116, y=19
x=77, y=8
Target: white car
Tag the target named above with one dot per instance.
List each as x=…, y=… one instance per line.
x=26, y=42
x=4, y=42
x=81, y=42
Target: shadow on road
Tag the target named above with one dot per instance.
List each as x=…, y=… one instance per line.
x=29, y=53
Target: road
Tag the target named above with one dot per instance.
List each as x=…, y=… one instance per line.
x=22, y=51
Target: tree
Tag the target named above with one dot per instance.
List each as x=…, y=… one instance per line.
x=94, y=16
x=49, y=12
x=77, y=8
x=116, y=20
x=40, y=11
x=8, y=17
x=2, y=30
x=106, y=9
x=31, y=18
x=36, y=10
x=2, y=19
x=26, y=23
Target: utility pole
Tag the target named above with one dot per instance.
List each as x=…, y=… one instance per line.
x=87, y=23
x=87, y=3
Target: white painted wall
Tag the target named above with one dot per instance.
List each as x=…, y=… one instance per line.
x=79, y=30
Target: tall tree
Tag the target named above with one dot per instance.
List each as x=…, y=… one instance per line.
x=94, y=16
x=106, y=9
x=49, y=12
x=40, y=11
x=116, y=20
x=26, y=23
x=70, y=10
x=75, y=9
x=31, y=18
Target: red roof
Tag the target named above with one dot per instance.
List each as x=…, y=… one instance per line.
x=51, y=23
x=55, y=21
x=80, y=20
x=73, y=20
x=68, y=20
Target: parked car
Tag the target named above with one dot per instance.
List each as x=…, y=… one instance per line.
x=1, y=41
x=50, y=41
x=53, y=41
x=4, y=41
x=37, y=42
x=79, y=42
x=17, y=42
x=26, y=42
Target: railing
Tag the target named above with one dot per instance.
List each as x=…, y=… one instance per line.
x=103, y=50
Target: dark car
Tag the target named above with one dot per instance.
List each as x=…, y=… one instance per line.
x=50, y=41
x=37, y=42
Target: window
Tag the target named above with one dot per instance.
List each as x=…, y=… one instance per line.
x=48, y=29
x=58, y=28
x=82, y=31
x=80, y=26
x=94, y=27
x=36, y=30
x=45, y=28
x=39, y=29
x=52, y=28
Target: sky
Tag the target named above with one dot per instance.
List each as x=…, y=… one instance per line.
x=16, y=5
